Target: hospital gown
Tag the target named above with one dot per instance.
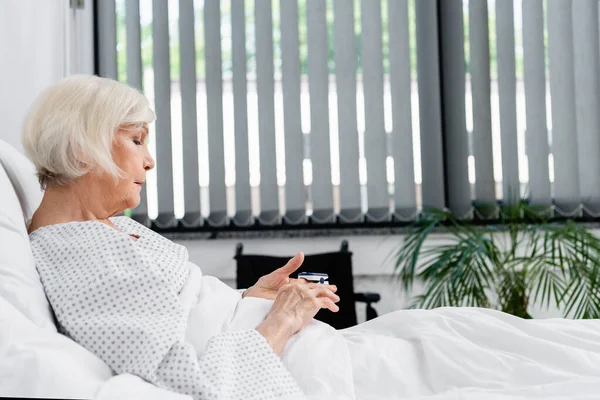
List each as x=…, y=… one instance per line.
x=118, y=297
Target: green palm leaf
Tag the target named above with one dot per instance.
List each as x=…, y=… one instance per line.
x=523, y=259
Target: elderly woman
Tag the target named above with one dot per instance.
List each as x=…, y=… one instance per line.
x=113, y=284
x=133, y=298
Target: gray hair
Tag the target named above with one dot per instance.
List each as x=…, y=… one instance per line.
x=69, y=129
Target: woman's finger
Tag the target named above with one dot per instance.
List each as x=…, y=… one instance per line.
x=325, y=302
x=324, y=292
x=332, y=288
x=292, y=265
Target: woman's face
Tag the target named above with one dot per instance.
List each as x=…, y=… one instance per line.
x=130, y=153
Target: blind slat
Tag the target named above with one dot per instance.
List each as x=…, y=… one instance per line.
x=214, y=113
x=400, y=88
x=162, y=90
x=481, y=95
x=269, y=205
x=189, y=120
x=562, y=86
x=318, y=82
x=375, y=137
x=243, y=204
x=295, y=202
x=534, y=77
x=455, y=128
x=428, y=70
x=507, y=94
x=345, y=76
x=134, y=78
x=107, y=39
x=133, y=39
x=587, y=86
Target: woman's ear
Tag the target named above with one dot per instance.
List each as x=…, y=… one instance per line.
x=83, y=161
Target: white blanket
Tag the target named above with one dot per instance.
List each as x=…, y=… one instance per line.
x=460, y=353
x=445, y=354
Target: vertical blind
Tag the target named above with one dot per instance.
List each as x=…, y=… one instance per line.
x=291, y=112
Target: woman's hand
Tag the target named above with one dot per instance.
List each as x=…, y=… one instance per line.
x=295, y=306
x=268, y=286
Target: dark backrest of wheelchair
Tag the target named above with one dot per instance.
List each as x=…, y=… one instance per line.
x=338, y=265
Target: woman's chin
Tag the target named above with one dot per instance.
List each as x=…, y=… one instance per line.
x=133, y=201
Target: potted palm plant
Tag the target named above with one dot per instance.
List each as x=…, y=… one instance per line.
x=525, y=258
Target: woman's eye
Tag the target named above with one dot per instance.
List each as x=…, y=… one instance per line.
x=137, y=142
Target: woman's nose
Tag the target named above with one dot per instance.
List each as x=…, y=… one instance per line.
x=148, y=162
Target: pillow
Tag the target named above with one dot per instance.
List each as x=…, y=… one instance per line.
x=21, y=173
x=36, y=363
x=19, y=281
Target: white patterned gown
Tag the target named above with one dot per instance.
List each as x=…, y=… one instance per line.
x=119, y=298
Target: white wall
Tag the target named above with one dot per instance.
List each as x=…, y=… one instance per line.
x=34, y=53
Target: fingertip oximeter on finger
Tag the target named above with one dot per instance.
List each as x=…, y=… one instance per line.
x=314, y=277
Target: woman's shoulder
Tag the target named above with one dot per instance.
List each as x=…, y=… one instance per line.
x=78, y=245
x=68, y=255
x=58, y=230
x=93, y=227
x=74, y=237
x=64, y=229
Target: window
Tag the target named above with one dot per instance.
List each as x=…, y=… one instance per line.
x=275, y=111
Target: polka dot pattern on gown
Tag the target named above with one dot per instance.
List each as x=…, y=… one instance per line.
x=118, y=297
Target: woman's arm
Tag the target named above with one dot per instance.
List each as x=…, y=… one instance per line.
x=134, y=321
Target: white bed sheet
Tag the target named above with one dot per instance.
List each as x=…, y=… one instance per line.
x=443, y=354
x=467, y=353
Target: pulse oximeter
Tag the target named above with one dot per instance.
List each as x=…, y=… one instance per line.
x=314, y=277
